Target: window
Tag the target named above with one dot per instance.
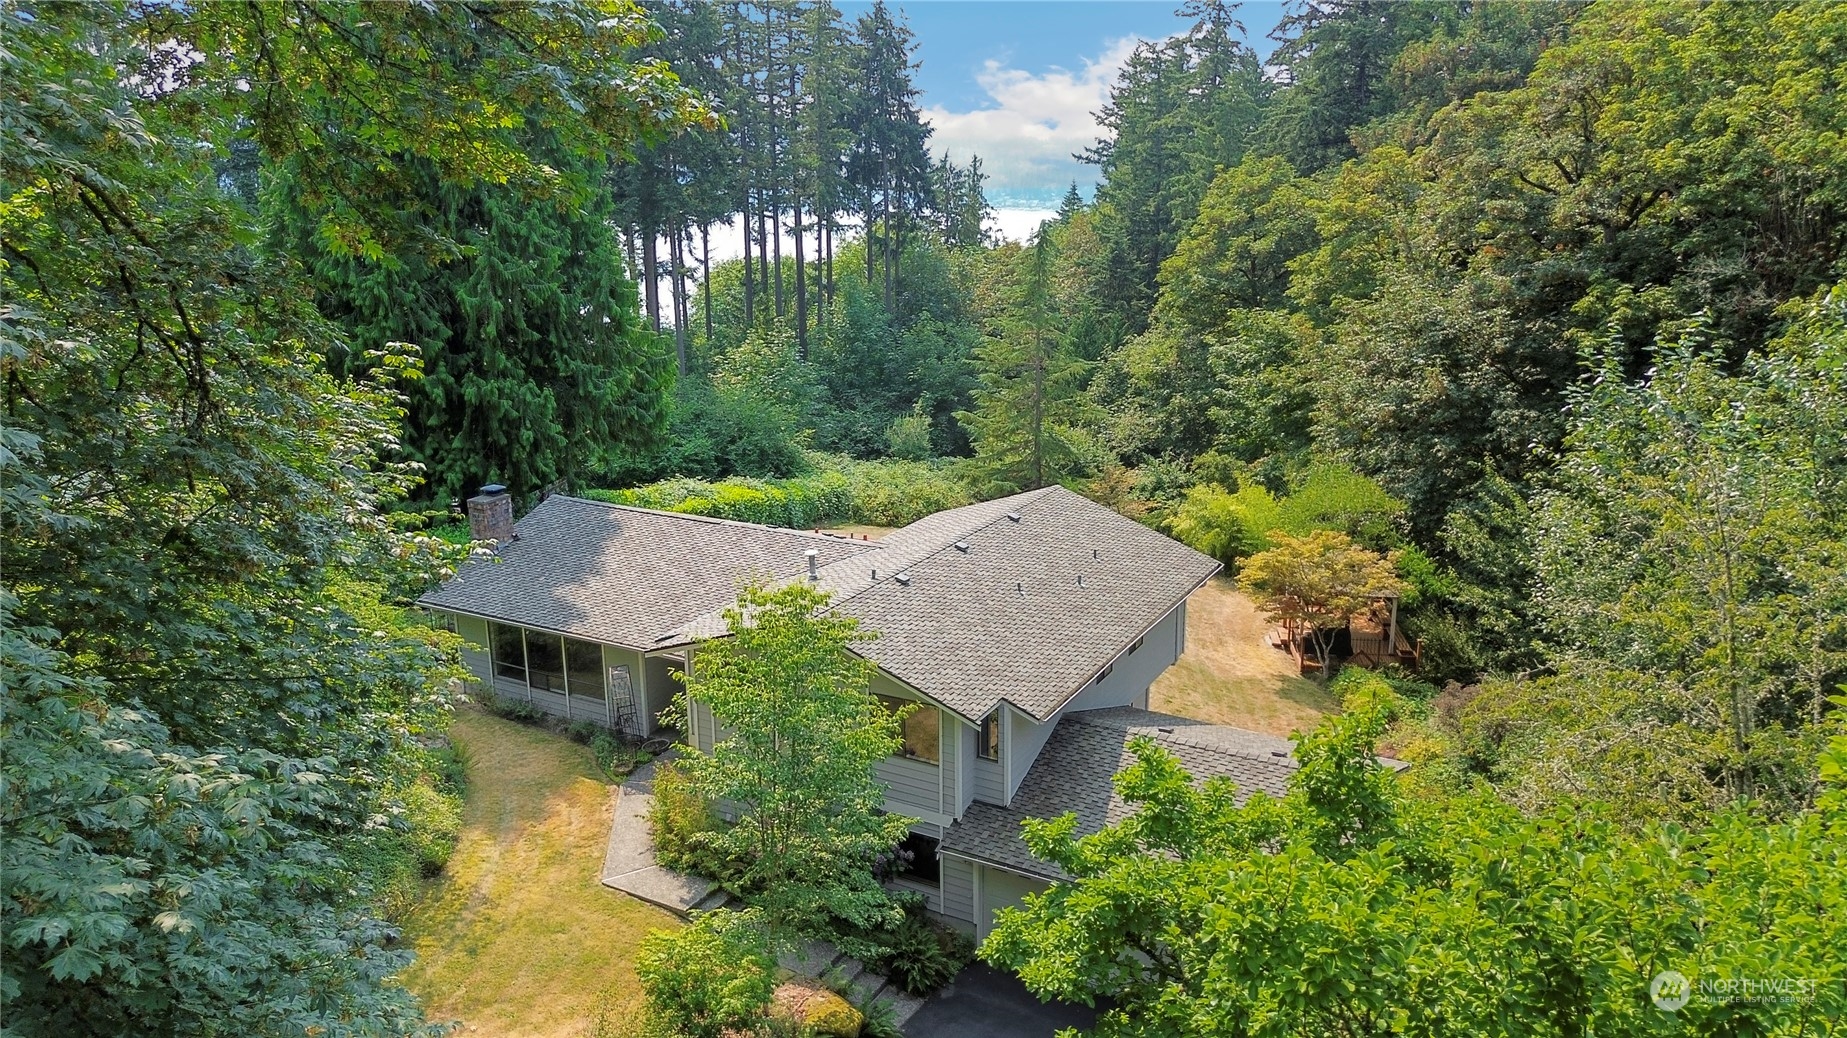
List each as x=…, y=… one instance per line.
x=987, y=744
x=1105, y=673
x=917, y=860
x=583, y=668
x=509, y=651
x=922, y=729
x=1135, y=645
x=545, y=661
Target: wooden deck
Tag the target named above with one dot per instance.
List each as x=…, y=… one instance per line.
x=1366, y=643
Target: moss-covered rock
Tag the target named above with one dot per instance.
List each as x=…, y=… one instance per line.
x=818, y=1009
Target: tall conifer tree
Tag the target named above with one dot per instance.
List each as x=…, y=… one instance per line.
x=536, y=364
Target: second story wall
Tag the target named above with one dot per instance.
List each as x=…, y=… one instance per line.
x=916, y=785
x=1125, y=684
x=929, y=790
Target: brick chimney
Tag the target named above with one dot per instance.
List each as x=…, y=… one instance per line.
x=490, y=515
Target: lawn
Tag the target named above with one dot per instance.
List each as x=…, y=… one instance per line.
x=1230, y=675
x=518, y=939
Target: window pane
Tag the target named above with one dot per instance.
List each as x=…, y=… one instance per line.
x=545, y=661
x=988, y=745
x=583, y=668
x=918, y=860
x=509, y=651
x=920, y=729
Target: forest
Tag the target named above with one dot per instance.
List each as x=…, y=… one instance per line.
x=1540, y=306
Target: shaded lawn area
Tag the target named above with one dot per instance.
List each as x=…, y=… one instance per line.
x=518, y=938
x=1230, y=675
x=859, y=530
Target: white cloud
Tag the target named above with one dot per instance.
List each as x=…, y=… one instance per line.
x=1037, y=121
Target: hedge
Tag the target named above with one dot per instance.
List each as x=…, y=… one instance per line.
x=841, y=490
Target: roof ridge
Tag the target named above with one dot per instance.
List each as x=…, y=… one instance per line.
x=1038, y=495
x=717, y=520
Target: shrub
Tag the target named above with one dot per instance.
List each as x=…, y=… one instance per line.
x=916, y=954
x=1224, y=525
x=840, y=490
x=1334, y=497
x=679, y=816
x=714, y=978
x=909, y=436
x=433, y=823
x=509, y=708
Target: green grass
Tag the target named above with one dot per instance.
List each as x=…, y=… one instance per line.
x=517, y=939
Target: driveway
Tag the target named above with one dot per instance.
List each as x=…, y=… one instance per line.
x=983, y=1001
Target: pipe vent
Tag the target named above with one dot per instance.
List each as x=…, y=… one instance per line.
x=814, y=563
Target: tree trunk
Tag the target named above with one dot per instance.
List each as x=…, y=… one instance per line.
x=763, y=250
x=650, y=277
x=676, y=256
x=705, y=276
x=801, y=290
x=750, y=281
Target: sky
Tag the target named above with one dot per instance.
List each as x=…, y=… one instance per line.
x=1017, y=81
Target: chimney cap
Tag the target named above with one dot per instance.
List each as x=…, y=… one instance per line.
x=492, y=489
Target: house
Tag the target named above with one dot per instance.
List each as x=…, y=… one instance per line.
x=1028, y=630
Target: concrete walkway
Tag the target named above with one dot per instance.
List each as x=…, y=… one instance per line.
x=629, y=866
x=628, y=862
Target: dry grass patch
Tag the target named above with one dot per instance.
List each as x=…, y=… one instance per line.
x=1230, y=675
x=518, y=938
x=859, y=530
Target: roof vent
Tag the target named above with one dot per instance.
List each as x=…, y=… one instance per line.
x=1165, y=731
x=814, y=563
x=875, y=573
x=1080, y=580
x=1278, y=753
x=903, y=578
x=1096, y=553
x=962, y=546
x=1020, y=587
x=1013, y=517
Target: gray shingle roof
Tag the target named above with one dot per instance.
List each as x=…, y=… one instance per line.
x=1085, y=751
x=1023, y=599
x=626, y=576
x=1030, y=611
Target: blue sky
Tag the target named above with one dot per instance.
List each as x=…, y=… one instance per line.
x=1016, y=81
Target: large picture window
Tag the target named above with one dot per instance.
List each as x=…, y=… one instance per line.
x=922, y=730
x=545, y=661
x=509, y=651
x=583, y=668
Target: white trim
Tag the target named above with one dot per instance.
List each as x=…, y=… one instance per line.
x=530, y=627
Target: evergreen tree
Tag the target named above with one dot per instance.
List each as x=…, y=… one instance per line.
x=536, y=367
x=1029, y=400
x=1071, y=204
x=1181, y=109
x=888, y=166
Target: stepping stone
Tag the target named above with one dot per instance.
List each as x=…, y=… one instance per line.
x=865, y=987
x=810, y=958
x=903, y=1006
